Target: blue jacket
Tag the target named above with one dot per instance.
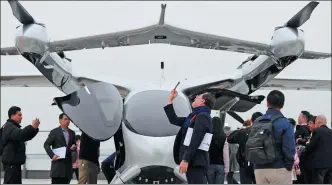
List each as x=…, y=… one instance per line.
x=285, y=144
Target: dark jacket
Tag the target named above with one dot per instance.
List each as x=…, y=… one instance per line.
x=218, y=143
x=240, y=137
x=319, y=150
x=216, y=150
x=201, y=125
x=56, y=139
x=302, y=131
x=285, y=142
x=89, y=149
x=13, y=138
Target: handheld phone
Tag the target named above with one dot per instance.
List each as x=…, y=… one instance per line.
x=176, y=85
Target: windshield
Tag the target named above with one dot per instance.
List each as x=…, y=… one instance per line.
x=144, y=113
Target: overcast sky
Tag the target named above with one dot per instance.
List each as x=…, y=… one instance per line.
x=254, y=21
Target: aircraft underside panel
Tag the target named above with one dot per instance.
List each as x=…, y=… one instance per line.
x=156, y=175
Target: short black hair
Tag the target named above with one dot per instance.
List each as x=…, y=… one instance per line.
x=77, y=137
x=306, y=114
x=62, y=115
x=276, y=99
x=255, y=116
x=210, y=100
x=292, y=121
x=312, y=118
x=13, y=110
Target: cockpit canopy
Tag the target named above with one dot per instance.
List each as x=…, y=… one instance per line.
x=144, y=113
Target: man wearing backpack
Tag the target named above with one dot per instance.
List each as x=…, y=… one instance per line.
x=271, y=144
x=13, y=140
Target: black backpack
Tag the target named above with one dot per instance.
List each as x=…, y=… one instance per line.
x=2, y=144
x=261, y=145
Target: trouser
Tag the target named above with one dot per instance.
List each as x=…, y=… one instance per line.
x=75, y=170
x=88, y=172
x=60, y=180
x=196, y=175
x=108, y=171
x=13, y=174
x=216, y=174
x=247, y=175
x=304, y=177
x=273, y=176
x=230, y=178
x=321, y=176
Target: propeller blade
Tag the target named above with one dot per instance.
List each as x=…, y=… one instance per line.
x=61, y=54
x=20, y=12
x=236, y=117
x=302, y=16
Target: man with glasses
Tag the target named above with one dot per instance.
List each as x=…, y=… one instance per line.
x=194, y=162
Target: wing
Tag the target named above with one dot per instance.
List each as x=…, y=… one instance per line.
x=9, y=51
x=162, y=33
x=227, y=100
x=315, y=55
x=165, y=34
x=281, y=83
x=41, y=81
x=157, y=33
x=298, y=84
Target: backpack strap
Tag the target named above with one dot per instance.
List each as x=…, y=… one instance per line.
x=276, y=117
x=259, y=119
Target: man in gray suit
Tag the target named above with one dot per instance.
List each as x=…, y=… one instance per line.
x=62, y=136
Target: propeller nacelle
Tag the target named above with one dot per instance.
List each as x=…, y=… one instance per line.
x=288, y=40
x=31, y=38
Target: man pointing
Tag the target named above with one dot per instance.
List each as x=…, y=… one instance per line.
x=193, y=160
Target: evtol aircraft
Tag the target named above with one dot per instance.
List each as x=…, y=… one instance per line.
x=135, y=117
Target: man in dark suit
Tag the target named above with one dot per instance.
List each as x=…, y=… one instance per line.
x=319, y=152
x=62, y=136
x=194, y=161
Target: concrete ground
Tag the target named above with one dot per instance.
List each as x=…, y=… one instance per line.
x=48, y=181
